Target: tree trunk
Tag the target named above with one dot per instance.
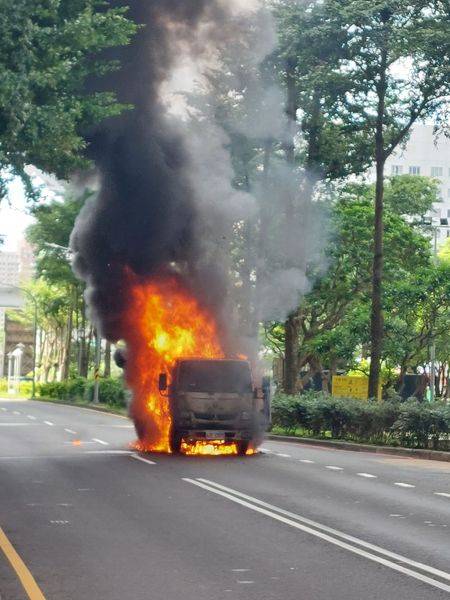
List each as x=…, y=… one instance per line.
x=83, y=359
x=291, y=354
x=291, y=325
x=107, y=371
x=68, y=343
x=376, y=325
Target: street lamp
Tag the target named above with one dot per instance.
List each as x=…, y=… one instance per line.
x=34, y=301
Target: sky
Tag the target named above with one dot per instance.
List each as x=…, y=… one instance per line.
x=14, y=218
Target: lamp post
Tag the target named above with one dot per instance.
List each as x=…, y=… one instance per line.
x=35, y=314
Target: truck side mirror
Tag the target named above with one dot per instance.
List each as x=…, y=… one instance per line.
x=162, y=384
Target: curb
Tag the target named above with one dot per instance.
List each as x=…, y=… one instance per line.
x=411, y=452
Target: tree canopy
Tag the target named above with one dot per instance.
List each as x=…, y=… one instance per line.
x=47, y=50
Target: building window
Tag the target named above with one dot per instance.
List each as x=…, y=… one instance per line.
x=437, y=171
x=396, y=170
x=414, y=170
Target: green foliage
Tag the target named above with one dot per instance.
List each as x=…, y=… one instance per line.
x=47, y=52
x=111, y=391
x=410, y=424
x=50, y=237
x=25, y=388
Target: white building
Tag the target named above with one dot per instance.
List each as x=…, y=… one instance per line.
x=424, y=155
x=9, y=268
x=9, y=275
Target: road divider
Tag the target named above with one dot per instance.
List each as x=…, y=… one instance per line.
x=387, y=558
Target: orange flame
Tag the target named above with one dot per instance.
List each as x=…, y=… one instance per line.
x=163, y=322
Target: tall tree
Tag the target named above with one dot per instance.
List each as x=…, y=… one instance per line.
x=46, y=56
x=307, y=59
x=398, y=58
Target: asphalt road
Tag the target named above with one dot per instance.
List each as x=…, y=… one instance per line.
x=90, y=519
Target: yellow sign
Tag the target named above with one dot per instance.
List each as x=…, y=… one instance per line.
x=345, y=386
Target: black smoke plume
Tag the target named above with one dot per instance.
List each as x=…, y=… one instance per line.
x=145, y=217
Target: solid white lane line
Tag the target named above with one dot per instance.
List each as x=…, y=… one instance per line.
x=115, y=452
x=283, y=455
x=100, y=442
x=145, y=460
x=306, y=461
x=333, y=468
x=330, y=530
x=367, y=475
x=404, y=485
x=31, y=417
x=49, y=423
x=444, y=494
x=70, y=431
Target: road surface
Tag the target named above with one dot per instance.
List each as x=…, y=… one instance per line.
x=84, y=517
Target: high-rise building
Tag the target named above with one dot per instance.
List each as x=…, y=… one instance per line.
x=26, y=261
x=426, y=155
x=9, y=268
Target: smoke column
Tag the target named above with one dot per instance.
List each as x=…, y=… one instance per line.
x=166, y=200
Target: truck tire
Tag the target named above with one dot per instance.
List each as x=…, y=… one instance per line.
x=175, y=442
x=242, y=447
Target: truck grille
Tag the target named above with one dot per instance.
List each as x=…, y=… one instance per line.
x=212, y=417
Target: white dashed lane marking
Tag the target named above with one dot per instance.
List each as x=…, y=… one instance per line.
x=70, y=431
x=333, y=468
x=16, y=412
x=103, y=443
x=31, y=417
x=49, y=423
x=4, y=409
x=145, y=460
x=444, y=494
x=367, y=475
x=283, y=455
x=404, y=485
x=306, y=461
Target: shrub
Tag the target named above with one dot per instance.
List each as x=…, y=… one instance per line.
x=111, y=391
x=410, y=424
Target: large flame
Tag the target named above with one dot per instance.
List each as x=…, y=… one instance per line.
x=163, y=323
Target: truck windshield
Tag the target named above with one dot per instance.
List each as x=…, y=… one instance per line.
x=215, y=376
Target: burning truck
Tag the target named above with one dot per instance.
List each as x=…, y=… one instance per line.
x=187, y=396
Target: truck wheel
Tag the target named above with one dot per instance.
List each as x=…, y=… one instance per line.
x=175, y=442
x=242, y=447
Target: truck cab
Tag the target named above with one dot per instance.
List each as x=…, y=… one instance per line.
x=213, y=400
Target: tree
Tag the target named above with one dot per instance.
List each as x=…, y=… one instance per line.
x=334, y=317
x=398, y=56
x=47, y=54
x=50, y=237
x=307, y=63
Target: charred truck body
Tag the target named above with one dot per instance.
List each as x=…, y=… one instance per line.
x=214, y=400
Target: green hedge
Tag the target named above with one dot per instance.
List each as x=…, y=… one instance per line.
x=411, y=424
x=111, y=391
x=25, y=388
